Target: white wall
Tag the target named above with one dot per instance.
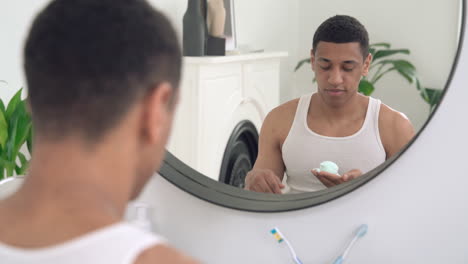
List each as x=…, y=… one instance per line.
x=14, y=24
x=428, y=28
x=272, y=25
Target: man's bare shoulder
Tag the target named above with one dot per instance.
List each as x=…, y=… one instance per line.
x=163, y=254
x=395, y=129
x=392, y=119
x=279, y=121
x=285, y=111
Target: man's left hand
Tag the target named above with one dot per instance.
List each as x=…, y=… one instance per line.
x=330, y=179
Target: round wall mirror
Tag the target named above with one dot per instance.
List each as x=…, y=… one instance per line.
x=226, y=100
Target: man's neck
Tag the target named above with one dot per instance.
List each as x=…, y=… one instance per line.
x=352, y=109
x=68, y=175
x=69, y=191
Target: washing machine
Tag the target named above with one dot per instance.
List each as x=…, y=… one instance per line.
x=223, y=102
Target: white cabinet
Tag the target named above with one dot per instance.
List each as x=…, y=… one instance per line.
x=216, y=94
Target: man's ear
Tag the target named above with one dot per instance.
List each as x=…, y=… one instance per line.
x=157, y=111
x=367, y=63
x=312, y=59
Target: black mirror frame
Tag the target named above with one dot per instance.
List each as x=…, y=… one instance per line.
x=191, y=181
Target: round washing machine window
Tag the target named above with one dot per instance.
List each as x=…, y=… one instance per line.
x=240, y=154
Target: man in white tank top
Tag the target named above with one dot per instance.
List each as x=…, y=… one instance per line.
x=102, y=78
x=334, y=124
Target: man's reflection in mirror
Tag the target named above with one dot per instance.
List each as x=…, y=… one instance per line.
x=336, y=123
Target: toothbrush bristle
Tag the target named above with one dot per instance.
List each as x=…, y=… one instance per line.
x=276, y=235
x=362, y=230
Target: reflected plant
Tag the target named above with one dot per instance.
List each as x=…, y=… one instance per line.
x=382, y=64
x=15, y=131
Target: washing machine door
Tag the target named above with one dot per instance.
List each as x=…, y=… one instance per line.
x=240, y=154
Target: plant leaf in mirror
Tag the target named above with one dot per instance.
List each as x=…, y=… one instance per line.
x=404, y=67
x=380, y=44
x=431, y=96
x=300, y=63
x=365, y=87
x=385, y=53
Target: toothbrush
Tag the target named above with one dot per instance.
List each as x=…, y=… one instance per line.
x=361, y=231
x=280, y=238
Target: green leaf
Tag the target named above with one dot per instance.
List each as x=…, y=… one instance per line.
x=424, y=95
x=22, y=159
x=432, y=96
x=12, y=132
x=365, y=87
x=8, y=166
x=3, y=129
x=21, y=170
x=29, y=140
x=404, y=68
x=2, y=106
x=418, y=85
x=301, y=62
x=9, y=171
x=374, y=47
x=380, y=44
x=388, y=52
x=3, y=163
x=13, y=103
x=24, y=125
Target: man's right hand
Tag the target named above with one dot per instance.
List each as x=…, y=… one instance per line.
x=265, y=181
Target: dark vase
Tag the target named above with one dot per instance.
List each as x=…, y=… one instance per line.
x=194, y=30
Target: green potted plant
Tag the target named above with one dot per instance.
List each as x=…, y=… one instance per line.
x=382, y=64
x=15, y=131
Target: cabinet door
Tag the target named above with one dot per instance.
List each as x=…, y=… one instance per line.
x=220, y=95
x=261, y=84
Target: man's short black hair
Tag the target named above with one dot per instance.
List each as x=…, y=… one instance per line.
x=88, y=61
x=342, y=29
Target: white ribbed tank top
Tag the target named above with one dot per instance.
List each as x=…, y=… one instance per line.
x=120, y=243
x=304, y=150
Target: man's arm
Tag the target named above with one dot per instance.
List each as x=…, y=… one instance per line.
x=269, y=149
x=396, y=130
x=267, y=173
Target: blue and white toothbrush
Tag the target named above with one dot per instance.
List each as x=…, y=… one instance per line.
x=361, y=231
x=280, y=238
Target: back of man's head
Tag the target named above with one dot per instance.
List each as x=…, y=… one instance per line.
x=342, y=29
x=88, y=61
